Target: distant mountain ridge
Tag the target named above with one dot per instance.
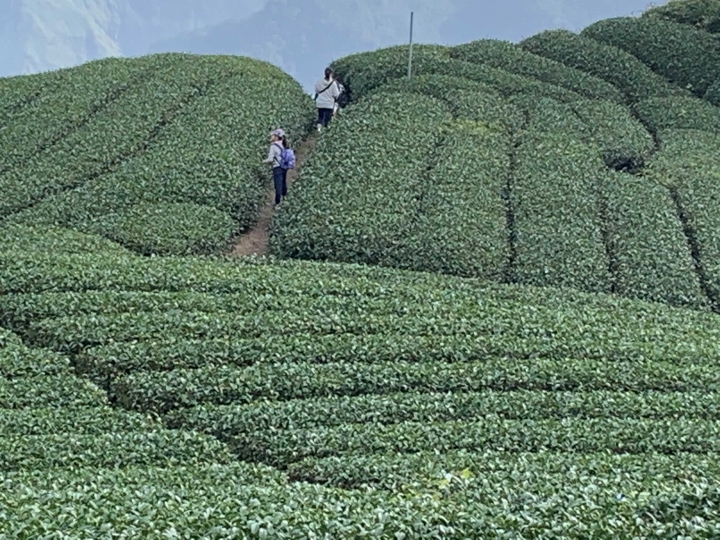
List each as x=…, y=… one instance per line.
x=39, y=35
x=297, y=35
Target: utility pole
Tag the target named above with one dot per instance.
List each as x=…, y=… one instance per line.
x=410, y=60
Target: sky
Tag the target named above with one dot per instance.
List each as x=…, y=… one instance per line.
x=303, y=36
x=300, y=36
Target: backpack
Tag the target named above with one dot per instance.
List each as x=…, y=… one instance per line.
x=287, y=158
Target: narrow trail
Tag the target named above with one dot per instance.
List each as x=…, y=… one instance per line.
x=256, y=240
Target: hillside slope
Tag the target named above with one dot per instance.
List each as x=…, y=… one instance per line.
x=552, y=372
x=160, y=153
x=413, y=402
x=524, y=164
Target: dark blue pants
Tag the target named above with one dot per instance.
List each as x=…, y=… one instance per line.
x=280, y=181
x=324, y=116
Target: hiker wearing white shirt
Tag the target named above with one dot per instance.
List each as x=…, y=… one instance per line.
x=326, y=94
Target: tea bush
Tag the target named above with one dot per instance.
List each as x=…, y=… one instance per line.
x=686, y=56
x=166, y=229
x=509, y=57
x=186, y=133
x=365, y=72
x=612, y=64
x=687, y=164
x=661, y=114
x=703, y=14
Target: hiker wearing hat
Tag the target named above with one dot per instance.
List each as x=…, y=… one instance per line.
x=282, y=159
x=326, y=94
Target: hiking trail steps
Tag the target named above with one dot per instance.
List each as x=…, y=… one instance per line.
x=256, y=240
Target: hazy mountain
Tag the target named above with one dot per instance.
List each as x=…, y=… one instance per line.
x=37, y=35
x=301, y=36
x=515, y=20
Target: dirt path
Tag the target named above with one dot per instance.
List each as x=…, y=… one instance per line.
x=256, y=240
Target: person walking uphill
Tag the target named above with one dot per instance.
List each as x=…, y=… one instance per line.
x=282, y=159
x=326, y=94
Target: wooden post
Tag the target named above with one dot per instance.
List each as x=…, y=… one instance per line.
x=410, y=60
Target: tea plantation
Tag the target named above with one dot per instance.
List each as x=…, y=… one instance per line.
x=534, y=164
x=158, y=153
x=297, y=399
x=529, y=348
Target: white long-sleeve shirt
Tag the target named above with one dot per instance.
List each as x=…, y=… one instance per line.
x=327, y=92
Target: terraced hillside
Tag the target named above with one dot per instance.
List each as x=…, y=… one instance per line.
x=295, y=399
x=550, y=163
x=158, y=153
x=562, y=384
